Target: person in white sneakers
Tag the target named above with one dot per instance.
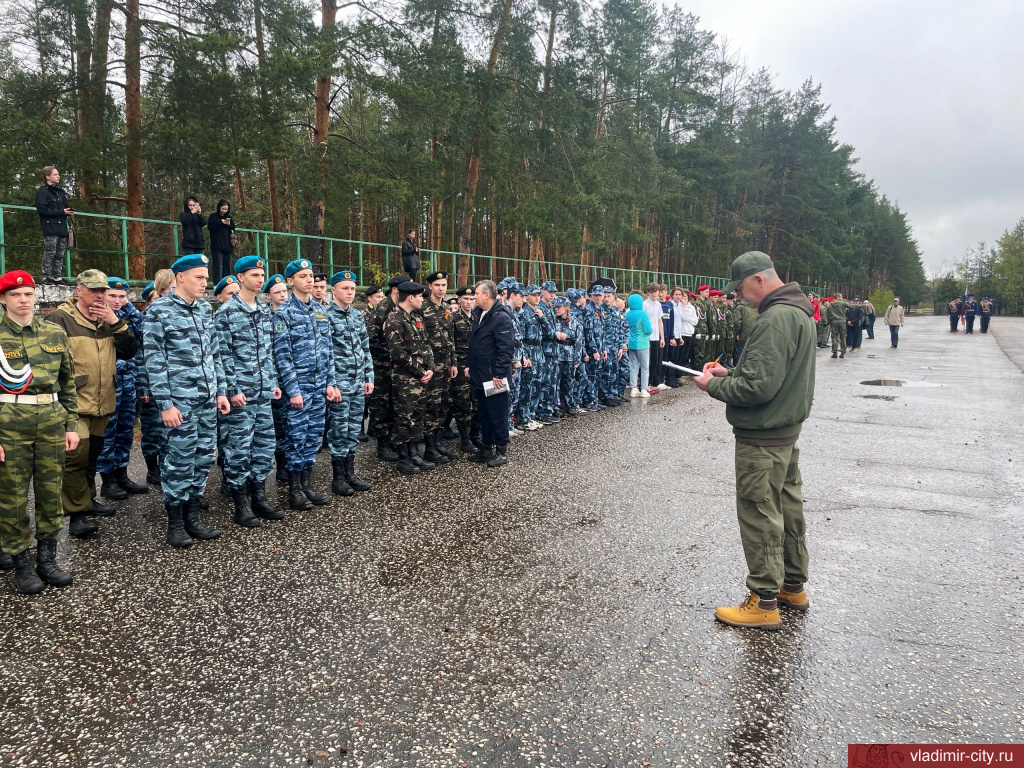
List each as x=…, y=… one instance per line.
x=639, y=346
x=652, y=306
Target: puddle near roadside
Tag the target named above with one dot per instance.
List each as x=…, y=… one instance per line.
x=887, y=398
x=898, y=383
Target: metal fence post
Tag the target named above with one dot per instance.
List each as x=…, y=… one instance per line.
x=124, y=247
x=3, y=246
x=330, y=255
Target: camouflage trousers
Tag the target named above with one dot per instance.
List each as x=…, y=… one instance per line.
x=610, y=375
x=304, y=429
x=79, y=486
x=381, y=409
x=838, y=337
x=120, y=433
x=437, y=401
x=277, y=409
x=33, y=441
x=528, y=386
x=344, y=421
x=190, y=451
x=622, y=377
x=703, y=350
x=461, y=399
x=247, y=441
x=408, y=395
x=548, y=395
x=567, y=384
x=823, y=332
x=154, y=433
x=515, y=387
x=594, y=369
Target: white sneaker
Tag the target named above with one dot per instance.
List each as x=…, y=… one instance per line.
x=663, y=386
x=644, y=393
x=635, y=392
x=511, y=434
x=532, y=426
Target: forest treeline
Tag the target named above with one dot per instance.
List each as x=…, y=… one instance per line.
x=616, y=133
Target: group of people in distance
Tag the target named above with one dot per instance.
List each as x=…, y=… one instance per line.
x=967, y=311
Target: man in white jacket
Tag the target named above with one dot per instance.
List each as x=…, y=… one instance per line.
x=652, y=306
x=894, y=319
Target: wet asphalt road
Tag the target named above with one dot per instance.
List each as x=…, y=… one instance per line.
x=558, y=611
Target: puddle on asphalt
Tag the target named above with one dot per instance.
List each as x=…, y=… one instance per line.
x=887, y=398
x=898, y=383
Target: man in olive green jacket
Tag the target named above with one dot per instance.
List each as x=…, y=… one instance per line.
x=97, y=338
x=768, y=396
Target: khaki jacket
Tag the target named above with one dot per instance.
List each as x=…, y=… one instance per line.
x=95, y=348
x=894, y=315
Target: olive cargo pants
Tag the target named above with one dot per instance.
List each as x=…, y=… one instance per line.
x=770, y=508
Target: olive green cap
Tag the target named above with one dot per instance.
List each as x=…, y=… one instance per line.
x=745, y=265
x=93, y=279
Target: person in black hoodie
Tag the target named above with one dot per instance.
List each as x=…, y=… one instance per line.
x=192, y=223
x=411, y=255
x=53, y=208
x=221, y=225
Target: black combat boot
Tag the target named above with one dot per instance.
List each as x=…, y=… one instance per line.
x=442, y=448
x=465, y=444
x=405, y=463
x=482, y=456
x=296, y=498
x=111, y=489
x=46, y=564
x=385, y=451
x=354, y=480
x=500, y=456
x=362, y=437
x=448, y=433
x=81, y=526
x=176, y=535
x=25, y=576
x=282, y=470
x=153, y=469
x=126, y=483
x=315, y=496
x=339, y=485
x=243, y=510
x=6, y=562
x=431, y=453
x=261, y=505
x=421, y=463
x=193, y=525
x=99, y=509
x=475, y=438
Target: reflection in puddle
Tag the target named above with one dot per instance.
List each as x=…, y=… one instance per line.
x=898, y=383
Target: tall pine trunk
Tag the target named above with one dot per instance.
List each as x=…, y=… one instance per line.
x=133, y=137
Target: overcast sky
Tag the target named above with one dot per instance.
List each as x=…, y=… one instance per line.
x=929, y=94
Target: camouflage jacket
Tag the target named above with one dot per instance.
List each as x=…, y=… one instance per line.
x=375, y=329
x=593, y=329
x=530, y=326
x=437, y=326
x=570, y=326
x=246, y=336
x=43, y=346
x=303, y=349
x=517, y=336
x=462, y=326
x=134, y=318
x=182, y=352
x=547, y=326
x=353, y=366
x=702, y=330
x=407, y=344
x=613, y=324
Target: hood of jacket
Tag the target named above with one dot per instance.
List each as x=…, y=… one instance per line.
x=788, y=295
x=635, y=301
x=221, y=202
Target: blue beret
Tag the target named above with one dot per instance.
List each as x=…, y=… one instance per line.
x=246, y=263
x=559, y=301
x=117, y=283
x=272, y=281
x=148, y=290
x=549, y=285
x=338, y=277
x=297, y=266
x=224, y=283
x=192, y=261
x=531, y=290
x=609, y=289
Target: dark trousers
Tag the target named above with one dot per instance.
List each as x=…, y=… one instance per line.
x=970, y=323
x=493, y=412
x=894, y=334
x=740, y=344
x=954, y=320
x=984, y=323
x=657, y=369
x=673, y=355
x=870, y=328
x=220, y=265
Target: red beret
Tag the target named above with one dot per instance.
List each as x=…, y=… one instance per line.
x=702, y=288
x=714, y=292
x=17, y=278
x=693, y=295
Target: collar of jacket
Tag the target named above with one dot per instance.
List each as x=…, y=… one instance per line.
x=70, y=306
x=260, y=306
x=295, y=301
x=180, y=301
x=34, y=324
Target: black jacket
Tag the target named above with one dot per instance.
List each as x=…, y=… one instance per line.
x=191, y=231
x=410, y=255
x=220, y=233
x=491, y=345
x=51, y=202
x=855, y=314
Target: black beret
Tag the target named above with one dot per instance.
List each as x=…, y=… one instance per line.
x=465, y=290
x=372, y=289
x=397, y=280
x=439, y=275
x=408, y=288
x=319, y=276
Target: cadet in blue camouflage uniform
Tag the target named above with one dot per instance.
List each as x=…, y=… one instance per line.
x=593, y=330
x=437, y=328
x=529, y=318
x=120, y=433
x=547, y=403
x=276, y=292
x=187, y=383
x=304, y=354
x=613, y=345
x=514, y=301
x=623, y=373
x=567, y=331
x=577, y=297
x=154, y=433
x=353, y=376
x=244, y=328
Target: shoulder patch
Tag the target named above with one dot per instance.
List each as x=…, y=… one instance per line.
x=280, y=326
x=48, y=348
x=13, y=354
x=320, y=316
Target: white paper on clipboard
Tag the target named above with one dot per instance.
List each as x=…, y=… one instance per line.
x=490, y=389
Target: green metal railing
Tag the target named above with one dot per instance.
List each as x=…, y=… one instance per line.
x=101, y=241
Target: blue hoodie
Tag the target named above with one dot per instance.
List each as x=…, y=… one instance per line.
x=639, y=323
